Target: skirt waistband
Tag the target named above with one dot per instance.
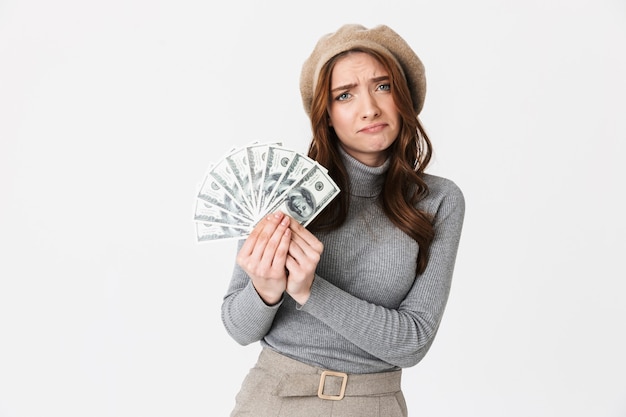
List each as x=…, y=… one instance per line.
x=300, y=380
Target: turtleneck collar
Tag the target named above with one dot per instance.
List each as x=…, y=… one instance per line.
x=365, y=181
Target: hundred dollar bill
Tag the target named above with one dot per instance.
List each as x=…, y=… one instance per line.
x=209, y=213
x=298, y=167
x=223, y=173
x=257, y=156
x=276, y=164
x=308, y=196
x=216, y=231
x=237, y=160
x=213, y=192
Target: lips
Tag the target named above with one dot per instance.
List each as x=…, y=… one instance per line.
x=373, y=128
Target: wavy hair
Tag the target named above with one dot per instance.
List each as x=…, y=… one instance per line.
x=410, y=154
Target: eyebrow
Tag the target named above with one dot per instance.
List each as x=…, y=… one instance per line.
x=349, y=86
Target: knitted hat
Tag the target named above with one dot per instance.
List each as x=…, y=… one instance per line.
x=381, y=39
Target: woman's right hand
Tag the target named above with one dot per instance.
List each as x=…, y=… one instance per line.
x=263, y=256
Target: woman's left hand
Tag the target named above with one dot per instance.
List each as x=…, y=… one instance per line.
x=304, y=254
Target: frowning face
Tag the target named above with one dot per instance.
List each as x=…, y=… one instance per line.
x=362, y=110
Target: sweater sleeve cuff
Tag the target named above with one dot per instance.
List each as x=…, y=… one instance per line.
x=322, y=292
x=252, y=296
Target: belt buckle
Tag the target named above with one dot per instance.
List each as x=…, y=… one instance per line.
x=320, y=390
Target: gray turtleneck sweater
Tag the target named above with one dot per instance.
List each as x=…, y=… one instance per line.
x=367, y=311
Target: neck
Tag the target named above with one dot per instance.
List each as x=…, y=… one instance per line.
x=364, y=180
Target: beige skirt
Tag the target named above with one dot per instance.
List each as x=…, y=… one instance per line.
x=278, y=386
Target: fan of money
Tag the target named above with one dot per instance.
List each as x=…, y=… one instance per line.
x=252, y=181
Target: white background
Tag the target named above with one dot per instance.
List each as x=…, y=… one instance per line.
x=111, y=112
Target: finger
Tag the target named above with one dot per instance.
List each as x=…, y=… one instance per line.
x=291, y=263
x=303, y=254
x=278, y=245
x=253, y=248
x=263, y=233
x=282, y=250
x=305, y=239
x=253, y=238
x=250, y=242
x=295, y=248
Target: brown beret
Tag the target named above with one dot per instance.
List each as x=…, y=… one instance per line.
x=381, y=39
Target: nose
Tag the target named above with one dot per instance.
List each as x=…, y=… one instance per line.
x=370, y=107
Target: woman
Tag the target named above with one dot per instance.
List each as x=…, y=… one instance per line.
x=342, y=306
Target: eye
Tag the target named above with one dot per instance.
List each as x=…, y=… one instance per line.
x=343, y=96
x=384, y=87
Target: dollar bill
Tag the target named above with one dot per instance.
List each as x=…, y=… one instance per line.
x=299, y=166
x=237, y=160
x=216, y=231
x=307, y=196
x=278, y=160
x=209, y=213
x=223, y=173
x=257, y=157
x=213, y=192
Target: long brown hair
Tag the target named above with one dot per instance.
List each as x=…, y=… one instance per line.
x=409, y=155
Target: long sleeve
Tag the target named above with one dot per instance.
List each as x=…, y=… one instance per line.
x=400, y=335
x=244, y=314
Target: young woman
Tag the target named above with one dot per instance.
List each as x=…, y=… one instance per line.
x=340, y=307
